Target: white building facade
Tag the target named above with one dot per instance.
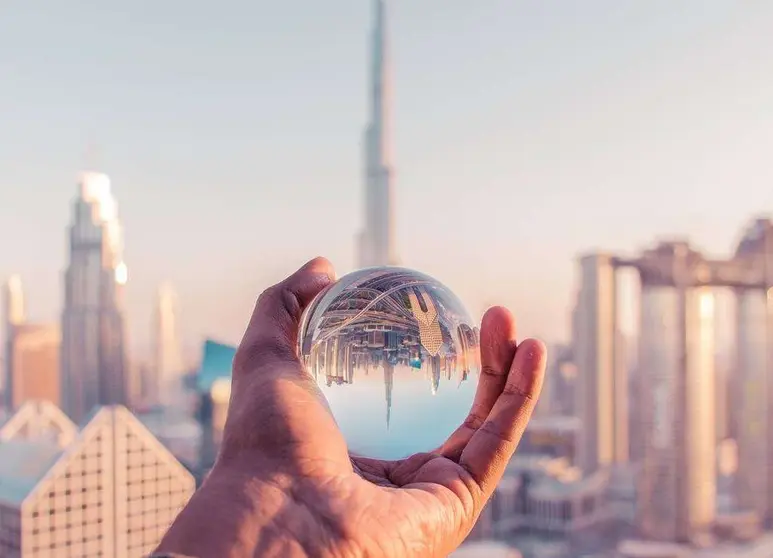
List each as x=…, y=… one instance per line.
x=168, y=365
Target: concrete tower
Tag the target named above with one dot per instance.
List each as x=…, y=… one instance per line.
x=753, y=400
x=677, y=483
x=13, y=316
x=376, y=241
x=168, y=357
x=601, y=396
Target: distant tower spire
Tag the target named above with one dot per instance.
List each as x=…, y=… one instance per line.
x=381, y=101
x=377, y=238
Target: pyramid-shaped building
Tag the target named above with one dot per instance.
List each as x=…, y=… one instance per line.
x=111, y=490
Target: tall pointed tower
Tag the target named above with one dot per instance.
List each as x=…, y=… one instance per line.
x=376, y=241
x=93, y=360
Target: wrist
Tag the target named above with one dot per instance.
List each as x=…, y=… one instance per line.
x=234, y=514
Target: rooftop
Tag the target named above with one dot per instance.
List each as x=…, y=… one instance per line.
x=554, y=423
x=761, y=548
x=23, y=463
x=29, y=458
x=170, y=424
x=38, y=420
x=568, y=484
x=554, y=478
x=536, y=463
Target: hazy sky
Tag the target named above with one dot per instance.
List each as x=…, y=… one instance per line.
x=526, y=132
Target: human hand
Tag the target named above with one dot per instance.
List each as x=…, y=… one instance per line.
x=284, y=483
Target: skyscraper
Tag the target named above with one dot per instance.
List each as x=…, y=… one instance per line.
x=33, y=364
x=376, y=240
x=753, y=398
x=13, y=316
x=31, y=353
x=168, y=365
x=601, y=399
x=677, y=483
x=93, y=351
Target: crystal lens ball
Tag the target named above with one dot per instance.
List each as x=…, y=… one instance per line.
x=396, y=355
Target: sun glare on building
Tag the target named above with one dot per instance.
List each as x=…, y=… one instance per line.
x=121, y=274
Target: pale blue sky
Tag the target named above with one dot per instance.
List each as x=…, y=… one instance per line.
x=525, y=133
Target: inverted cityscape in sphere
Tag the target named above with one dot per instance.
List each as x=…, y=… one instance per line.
x=396, y=355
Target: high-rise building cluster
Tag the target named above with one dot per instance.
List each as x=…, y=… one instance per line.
x=631, y=430
x=82, y=362
x=108, y=487
x=665, y=422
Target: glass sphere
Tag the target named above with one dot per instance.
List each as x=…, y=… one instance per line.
x=396, y=355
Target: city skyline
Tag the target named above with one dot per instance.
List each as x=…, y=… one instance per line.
x=603, y=171
x=675, y=111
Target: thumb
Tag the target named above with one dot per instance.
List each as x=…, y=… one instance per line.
x=272, y=333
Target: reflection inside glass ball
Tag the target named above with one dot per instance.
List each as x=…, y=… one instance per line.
x=397, y=357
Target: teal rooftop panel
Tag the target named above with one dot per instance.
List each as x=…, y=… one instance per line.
x=22, y=465
x=216, y=363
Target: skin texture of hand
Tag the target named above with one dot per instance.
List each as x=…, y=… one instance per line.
x=284, y=483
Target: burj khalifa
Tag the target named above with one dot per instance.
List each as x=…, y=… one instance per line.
x=376, y=240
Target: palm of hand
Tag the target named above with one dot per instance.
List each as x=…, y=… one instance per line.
x=354, y=506
x=433, y=499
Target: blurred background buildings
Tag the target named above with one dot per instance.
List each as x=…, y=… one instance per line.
x=650, y=440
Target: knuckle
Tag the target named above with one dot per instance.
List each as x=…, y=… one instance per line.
x=290, y=303
x=488, y=370
x=513, y=389
x=474, y=420
x=266, y=295
x=260, y=352
x=504, y=437
x=280, y=299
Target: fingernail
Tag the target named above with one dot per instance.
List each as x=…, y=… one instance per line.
x=526, y=375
